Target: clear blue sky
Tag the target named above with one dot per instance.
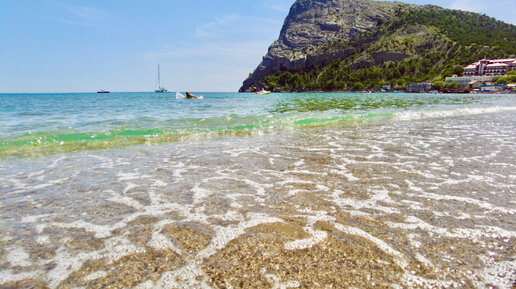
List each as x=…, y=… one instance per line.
x=201, y=45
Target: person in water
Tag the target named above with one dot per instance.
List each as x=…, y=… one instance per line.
x=189, y=95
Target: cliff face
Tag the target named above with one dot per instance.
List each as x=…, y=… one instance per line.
x=311, y=25
x=334, y=45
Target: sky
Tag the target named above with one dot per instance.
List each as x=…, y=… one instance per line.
x=200, y=45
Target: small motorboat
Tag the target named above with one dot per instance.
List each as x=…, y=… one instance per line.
x=262, y=92
x=103, y=91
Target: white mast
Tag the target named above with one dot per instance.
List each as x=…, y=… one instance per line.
x=159, y=80
x=160, y=89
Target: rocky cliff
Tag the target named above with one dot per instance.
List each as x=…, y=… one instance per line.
x=311, y=24
x=316, y=33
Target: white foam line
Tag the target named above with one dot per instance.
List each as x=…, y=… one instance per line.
x=66, y=263
x=108, y=163
x=295, y=192
x=322, y=188
x=413, y=223
x=346, y=160
x=487, y=231
x=38, y=173
x=239, y=151
x=16, y=183
x=10, y=276
x=18, y=257
x=156, y=199
x=129, y=187
x=128, y=176
x=118, y=247
x=159, y=241
x=125, y=200
x=378, y=195
x=413, y=281
x=277, y=282
x=178, y=173
x=226, y=234
x=43, y=240
x=95, y=276
x=235, y=205
x=293, y=181
x=306, y=172
x=376, y=155
x=471, y=178
x=470, y=201
x=400, y=157
x=344, y=172
x=260, y=188
x=412, y=187
x=381, y=244
x=42, y=186
x=411, y=115
x=34, y=219
x=423, y=259
x=317, y=237
x=501, y=275
x=100, y=231
x=122, y=163
x=186, y=277
x=56, y=162
x=199, y=194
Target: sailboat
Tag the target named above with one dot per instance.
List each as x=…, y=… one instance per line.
x=160, y=89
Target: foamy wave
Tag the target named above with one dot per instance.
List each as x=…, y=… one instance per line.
x=426, y=114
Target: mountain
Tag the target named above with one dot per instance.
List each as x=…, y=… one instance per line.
x=356, y=44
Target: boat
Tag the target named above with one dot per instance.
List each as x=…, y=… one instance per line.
x=160, y=89
x=179, y=95
x=262, y=92
x=103, y=91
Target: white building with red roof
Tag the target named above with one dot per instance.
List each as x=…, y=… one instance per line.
x=490, y=67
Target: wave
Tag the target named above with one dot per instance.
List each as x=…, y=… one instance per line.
x=427, y=114
x=40, y=143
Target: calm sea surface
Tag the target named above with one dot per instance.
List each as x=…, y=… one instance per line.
x=306, y=190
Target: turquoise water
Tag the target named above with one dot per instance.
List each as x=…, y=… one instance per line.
x=42, y=124
x=301, y=190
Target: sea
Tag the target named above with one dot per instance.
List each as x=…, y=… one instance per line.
x=287, y=190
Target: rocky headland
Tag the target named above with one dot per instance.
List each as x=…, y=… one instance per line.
x=360, y=34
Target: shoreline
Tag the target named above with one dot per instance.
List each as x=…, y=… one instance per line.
x=325, y=206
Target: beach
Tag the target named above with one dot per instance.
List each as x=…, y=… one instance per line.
x=300, y=190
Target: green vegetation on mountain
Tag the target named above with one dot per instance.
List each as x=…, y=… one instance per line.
x=415, y=44
x=507, y=79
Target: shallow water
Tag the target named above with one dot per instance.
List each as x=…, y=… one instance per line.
x=386, y=192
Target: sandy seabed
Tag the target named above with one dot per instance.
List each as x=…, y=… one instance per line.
x=405, y=204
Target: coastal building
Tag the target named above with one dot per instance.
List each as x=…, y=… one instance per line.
x=475, y=85
x=419, y=87
x=466, y=80
x=493, y=88
x=387, y=87
x=493, y=67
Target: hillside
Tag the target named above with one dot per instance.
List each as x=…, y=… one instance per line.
x=360, y=44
